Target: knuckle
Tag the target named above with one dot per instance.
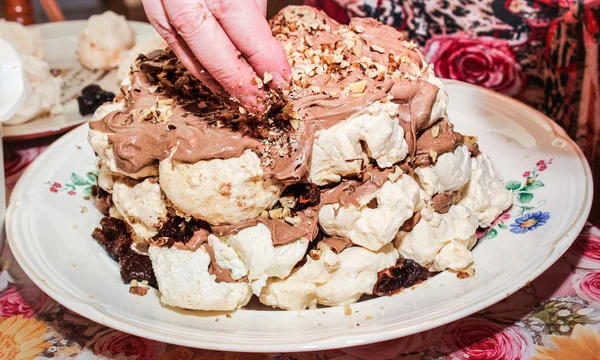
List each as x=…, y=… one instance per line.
x=221, y=7
x=187, y=21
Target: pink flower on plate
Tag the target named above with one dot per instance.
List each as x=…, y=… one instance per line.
x=27, y=300
x=585, y=251
x=587, y=285
x=478, y=339
x=115, y=343
x=526, y=173
x=540, y=163
x=482, y=61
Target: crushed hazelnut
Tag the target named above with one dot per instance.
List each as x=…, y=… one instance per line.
x=267, y=78
x=347, y=309
x=395, y=175
x=435, y=131
x=316, y=89
x=433, y=155
x=295, y=124
x=295, y=221
x=288, y=201
x=358, y=87
x=470, y=272
x=276, y=213
x=378, y=49
x=264, y=214
x=286, y=212
x=469, y=140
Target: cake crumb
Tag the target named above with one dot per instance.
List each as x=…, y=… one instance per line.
x=347, y=309
x=368, y=317
x=470, y=272
x=228, y=316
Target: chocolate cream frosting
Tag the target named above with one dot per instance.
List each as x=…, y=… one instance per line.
x=337, y=71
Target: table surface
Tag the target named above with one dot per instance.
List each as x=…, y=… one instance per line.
x=557, y=316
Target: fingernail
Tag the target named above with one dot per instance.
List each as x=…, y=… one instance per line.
x=279, y=82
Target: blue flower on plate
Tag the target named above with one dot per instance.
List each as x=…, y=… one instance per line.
x=529, y=222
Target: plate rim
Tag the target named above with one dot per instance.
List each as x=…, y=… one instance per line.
x=336, y=342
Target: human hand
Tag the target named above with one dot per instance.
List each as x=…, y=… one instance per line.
x=208, y=37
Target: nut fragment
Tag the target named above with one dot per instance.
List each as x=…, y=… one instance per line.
x=286, y=212
x=267, y=77
x=347, y=309
x=276, y=213
x=435, y=131
x=264, y=214
x=395, y=175
x=470, y=272
x=295, y=124
x=378, y=49
x=288, y=201
x=295, y=221
x=358, y=87
x=433, y=154
x=316, y=89
x=469, y=140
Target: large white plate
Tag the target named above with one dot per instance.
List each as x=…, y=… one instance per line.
x=49, y=232
x=60, y=43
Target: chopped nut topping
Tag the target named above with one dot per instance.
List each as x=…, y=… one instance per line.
x=378, y=49
x=295, y=124
x=242, y=110
x=276, y=213
x=395, y=175
x=316, y=89
x=435, y=131
x=267, y=78
x=286, y=212
x=433, y=155
x=470, y=272
x=358, y=87
x=295, y=221
x=288, y=201
x=264, y=214
x=469, y=140
x=359, y=29
x=347, y=309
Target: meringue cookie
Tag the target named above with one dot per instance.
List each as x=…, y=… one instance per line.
x=184, y=281
x=142, y=204
x=227, y=257
x=485, y=194
x=27, y=41
x=219, y=191
x=299, y=290
x=450, y=173
x=347, y=147
x=104, y=40
x=440, y=241
x=263, y=260
x=42, y=92
x=373, y=228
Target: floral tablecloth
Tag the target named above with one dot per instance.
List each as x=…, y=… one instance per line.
x=555, y=317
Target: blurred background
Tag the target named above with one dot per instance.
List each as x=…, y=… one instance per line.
x=32, y=11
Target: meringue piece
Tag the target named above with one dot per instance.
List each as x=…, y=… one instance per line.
x=373, y=228
x=144, y=46
x=227, y=258
x=346, y=147
x=450, y=173
x=184, y=281
x=299, y=290
x=142, y=204
x=263, y=260
x=104, y=40
x=356, y=275
x=27, y=41
x=107, y=178
x=42, y=92
x=427, y=242
x=485, y=194
x=219, y=191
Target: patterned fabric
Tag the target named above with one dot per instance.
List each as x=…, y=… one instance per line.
x=543, y=52
x=557, y=317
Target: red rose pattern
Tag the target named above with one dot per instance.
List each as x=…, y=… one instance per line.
x=478, y=339
x=487, y=62
x=587, y=285
x=27, y=300
x=115, y=343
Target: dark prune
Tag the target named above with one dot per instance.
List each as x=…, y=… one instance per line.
x=404, y=274
x=92, y=96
